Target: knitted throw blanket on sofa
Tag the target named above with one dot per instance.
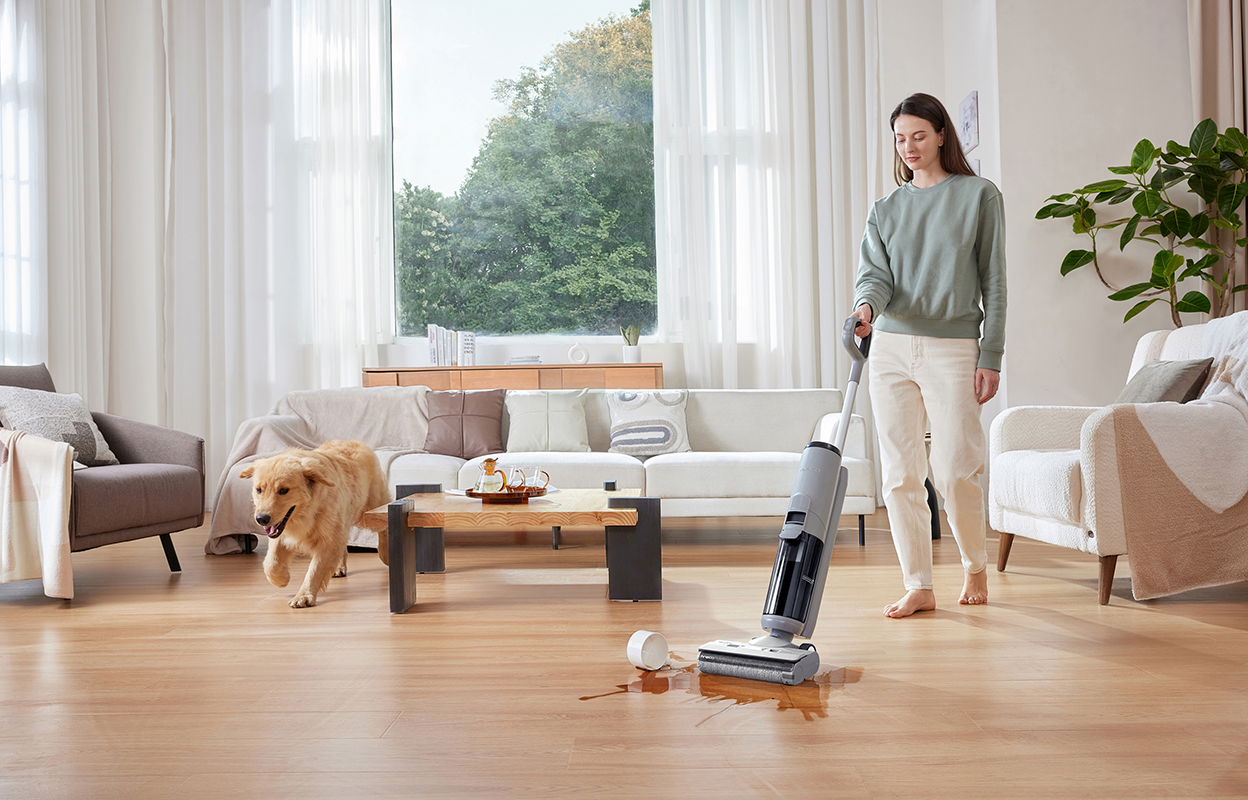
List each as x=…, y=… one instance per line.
x=35, y=487
x=1184, y=476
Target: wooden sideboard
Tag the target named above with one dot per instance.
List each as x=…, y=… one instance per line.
x=535, y=376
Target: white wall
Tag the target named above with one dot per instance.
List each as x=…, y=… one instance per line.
x=1080, y=83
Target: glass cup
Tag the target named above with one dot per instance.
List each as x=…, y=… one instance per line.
x=527, y=478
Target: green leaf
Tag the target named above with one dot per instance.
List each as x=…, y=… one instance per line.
x=1142, y=157
x=1122, y=170
x=1178, y=149
x=1111, y=185
x=1178, y=221
x=1231, y=197
x=1199, y=244
x=1232, y=161
x=1076, y=259
x=1200, y=224
x=1204, y=137
x=1204, y=187
x=1128, y=233
x=1223, y=224
x=1151, y=230
x=1062, y=198
x=1131, y=291
x=1047, y=211
x=1243, y=287
x=1122, y=194
x=1138, y=307
x=1065, y=211
x=1237, y=138
x=1172, y=266
x=1148, y=203
x=1193, y=302
x=1242, y=242
x=1084, y=220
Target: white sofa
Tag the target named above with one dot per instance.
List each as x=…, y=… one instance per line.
x=1166, y=481
x=746, y=445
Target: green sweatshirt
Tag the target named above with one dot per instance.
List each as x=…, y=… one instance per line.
x=931, y=256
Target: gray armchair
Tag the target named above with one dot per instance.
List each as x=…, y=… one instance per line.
x=156, y=490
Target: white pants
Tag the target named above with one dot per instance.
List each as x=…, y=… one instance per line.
x=917, y=380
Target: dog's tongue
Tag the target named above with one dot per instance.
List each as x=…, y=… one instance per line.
x=271, y=531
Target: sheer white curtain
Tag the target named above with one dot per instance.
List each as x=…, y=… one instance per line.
x=278, y=266
x=55, y=197
x=767, y=158
x=23, y=217
x=1217, y=34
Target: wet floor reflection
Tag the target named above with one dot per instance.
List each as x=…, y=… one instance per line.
x=809, y=697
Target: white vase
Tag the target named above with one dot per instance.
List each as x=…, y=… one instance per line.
x=632, y=354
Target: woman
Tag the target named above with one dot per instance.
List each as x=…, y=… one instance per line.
x=934, y=250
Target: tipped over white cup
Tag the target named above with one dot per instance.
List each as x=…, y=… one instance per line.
x=647, y=650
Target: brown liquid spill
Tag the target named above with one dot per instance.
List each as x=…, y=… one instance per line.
x=810, y=696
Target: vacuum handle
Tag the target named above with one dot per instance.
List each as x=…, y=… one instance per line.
x=857, y=351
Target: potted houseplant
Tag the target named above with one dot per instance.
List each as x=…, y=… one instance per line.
x=1185, y=202
x=632, y=352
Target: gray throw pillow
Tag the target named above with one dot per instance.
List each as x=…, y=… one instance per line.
x=1166, y=382
x=59, y=418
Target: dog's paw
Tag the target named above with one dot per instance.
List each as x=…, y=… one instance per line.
x=303, y=600
x=278, y=577
x=341, y=572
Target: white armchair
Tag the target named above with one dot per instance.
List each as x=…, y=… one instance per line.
x=1099, y=479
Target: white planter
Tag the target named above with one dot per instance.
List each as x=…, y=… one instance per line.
x=632, y=354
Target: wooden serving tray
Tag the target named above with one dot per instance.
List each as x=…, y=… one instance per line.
x=521, y=496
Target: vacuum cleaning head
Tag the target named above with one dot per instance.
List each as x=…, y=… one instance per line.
x=788, y=665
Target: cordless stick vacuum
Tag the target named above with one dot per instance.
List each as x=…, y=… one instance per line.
x=806, y=540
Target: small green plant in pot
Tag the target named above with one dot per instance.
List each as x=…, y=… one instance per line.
x=631, y=334
x=1203, y=245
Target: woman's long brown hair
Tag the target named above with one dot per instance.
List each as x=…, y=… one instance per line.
x=924, y=106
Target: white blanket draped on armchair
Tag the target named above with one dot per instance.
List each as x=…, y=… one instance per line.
x=35, y=487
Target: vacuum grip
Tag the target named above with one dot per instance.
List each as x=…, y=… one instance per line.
x=858, y=351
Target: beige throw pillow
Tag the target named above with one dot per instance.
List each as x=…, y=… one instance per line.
x=547, y=422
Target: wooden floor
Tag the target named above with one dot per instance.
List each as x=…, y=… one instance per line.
x=509, y=679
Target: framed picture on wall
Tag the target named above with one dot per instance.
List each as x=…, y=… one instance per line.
x=968, y=122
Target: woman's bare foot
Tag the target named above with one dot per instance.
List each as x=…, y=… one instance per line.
x=915, y=600
x=975, y=590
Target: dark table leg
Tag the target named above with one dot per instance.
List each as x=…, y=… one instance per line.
x=635, y=552
x=556, y=535
x=412, y=550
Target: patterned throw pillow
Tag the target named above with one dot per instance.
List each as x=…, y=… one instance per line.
x=59, y=418
x=648, y=423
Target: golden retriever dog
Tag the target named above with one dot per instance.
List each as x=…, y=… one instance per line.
x=307, y=501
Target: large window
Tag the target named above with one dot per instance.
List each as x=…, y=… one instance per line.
x=524, y=166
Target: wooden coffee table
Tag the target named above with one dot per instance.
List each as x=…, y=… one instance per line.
x=416, y=523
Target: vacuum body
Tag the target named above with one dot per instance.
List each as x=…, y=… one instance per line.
x=791, y=607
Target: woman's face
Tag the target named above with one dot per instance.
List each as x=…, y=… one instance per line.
x=917, y=142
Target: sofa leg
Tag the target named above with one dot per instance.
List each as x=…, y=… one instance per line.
x=1003, y=550
x=862, y=531
x=171, y=555
x=1106, y=580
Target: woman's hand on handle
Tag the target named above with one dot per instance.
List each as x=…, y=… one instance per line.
x=863, y=313
x=986, y=383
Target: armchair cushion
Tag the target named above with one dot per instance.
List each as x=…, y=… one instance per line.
x=1043, y=483
x=1166, y=382
x=58, y=418
x=126, y=496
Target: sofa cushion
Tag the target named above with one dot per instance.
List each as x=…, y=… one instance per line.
x=112, y=498
x=58, y=417
x=425, y=468
x=1040, y=483
x=1166, y=382
x=465, y=424
x=34, y=376
x=697, y=474
x=569, y=470
x=547, y=421
x=648, y=423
